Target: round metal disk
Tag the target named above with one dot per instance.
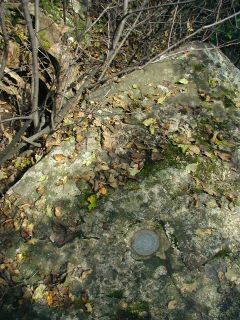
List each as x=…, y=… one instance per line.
x=145, y=242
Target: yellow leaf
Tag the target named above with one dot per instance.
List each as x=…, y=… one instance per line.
x=79, y=137
x=3, y=175
x=149, y=121
x=89, y=307
x=50, y=299
x=59, y=157
x=103, y=191
x=162, y=98
x=19, y=257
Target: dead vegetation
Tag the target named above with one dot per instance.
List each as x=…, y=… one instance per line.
x=55, y=53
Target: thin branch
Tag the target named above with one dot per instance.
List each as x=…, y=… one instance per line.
x=156, y=7
x=35, y=144
x=95, y=21
x=34, y=45
x=120, y=27
x=116, y=50
x=13, y=148
x=154, y=59
x=16, y=118
x=5, y=38
x=172, y=26
x=64, y=11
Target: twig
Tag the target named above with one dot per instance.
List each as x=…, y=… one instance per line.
x=117, y=48
x=172, y=26
x=35, y=75
x=154, y=59
x=95, y=21
x=120, y=27
x=35, y=144
x=5, y=38
x=16, y=118
x=64, y=11
x=12, y=148
x=156, y=7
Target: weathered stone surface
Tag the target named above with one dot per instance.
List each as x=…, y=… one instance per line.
x=164, y=143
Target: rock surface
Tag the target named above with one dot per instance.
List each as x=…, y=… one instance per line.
x=159, y=152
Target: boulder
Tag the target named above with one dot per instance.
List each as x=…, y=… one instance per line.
x=137, y=214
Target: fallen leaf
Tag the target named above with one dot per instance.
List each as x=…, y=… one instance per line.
x=89, y=159
x=103, y=191
x=162, y=98
x=49, y=210
x=43, y=178
x=59, y=157
x=193, y=149
x=92, y=201
x=172, y=304
x=133, y=171
x=149, y=122
x=223, y=155
x=109, y=142
x=27, y=227
x=79, y=137
x=19, y=257
x=3, y=175
x=89, y=307
x=183, y=81
x=57, y=212
x=112, y=181
x=189, y=287
x=50, y=299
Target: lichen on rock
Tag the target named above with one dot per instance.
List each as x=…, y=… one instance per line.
x=160, y=154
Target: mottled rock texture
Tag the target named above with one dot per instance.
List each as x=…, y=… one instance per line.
x=161, y=153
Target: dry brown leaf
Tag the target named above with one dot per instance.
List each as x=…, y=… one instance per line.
x=193, y=149
x=112, y=181
x=109, y=141
x=58, y=212
x=103, y=166
x=223, y=155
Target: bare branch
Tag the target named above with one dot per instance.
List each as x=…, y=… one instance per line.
x=119, y=46
x=154, y=59
x=13, y=148
x=34, y=45
x=120, y=27
x=171, y=30
x=5, y=38
x=16, y=118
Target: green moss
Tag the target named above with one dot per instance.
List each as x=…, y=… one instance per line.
x=172, y=157
x=23, y=164
x=139, y=307
x=136, y=311
x=117, y=294
x=205, y=169
x=44, y=39
x=54, y=8
x=198, y=67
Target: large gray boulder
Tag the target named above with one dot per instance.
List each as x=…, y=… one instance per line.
x=137, y=215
